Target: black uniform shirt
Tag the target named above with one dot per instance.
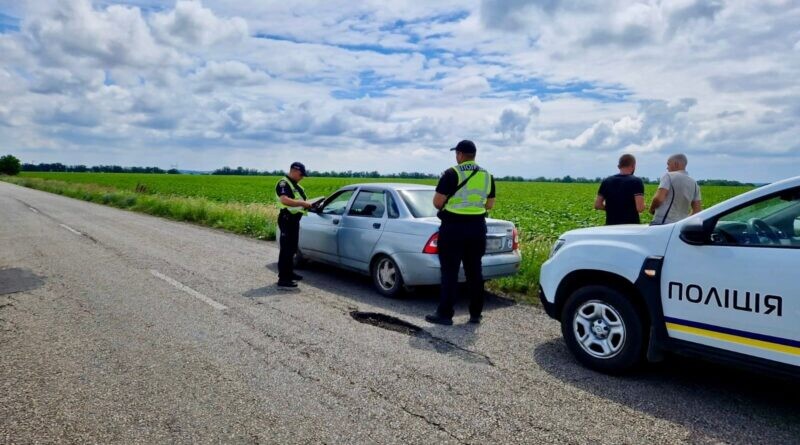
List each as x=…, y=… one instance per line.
x=447, y=186
x=285, y=189
x=620, y=191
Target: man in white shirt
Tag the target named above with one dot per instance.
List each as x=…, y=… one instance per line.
x=678, y=195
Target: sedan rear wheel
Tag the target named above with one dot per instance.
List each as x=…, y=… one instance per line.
x=386, y=277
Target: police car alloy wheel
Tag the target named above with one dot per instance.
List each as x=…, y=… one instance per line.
x=386, y=277
x=603, y=329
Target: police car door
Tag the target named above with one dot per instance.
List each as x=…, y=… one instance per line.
x=739, y=290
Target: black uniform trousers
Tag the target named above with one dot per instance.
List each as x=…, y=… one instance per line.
x=289, y=224
x=462, y=241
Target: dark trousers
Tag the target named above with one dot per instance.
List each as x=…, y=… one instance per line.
x=461, y=242
x=290, y=234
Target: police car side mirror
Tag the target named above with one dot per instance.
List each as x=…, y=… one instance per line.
x=694, y=232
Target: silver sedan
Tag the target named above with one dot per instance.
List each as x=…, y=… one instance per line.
x=390, y=232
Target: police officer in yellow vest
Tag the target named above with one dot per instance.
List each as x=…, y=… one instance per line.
x=463, y=196
x=293, y=204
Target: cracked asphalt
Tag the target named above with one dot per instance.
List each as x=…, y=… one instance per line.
x=95, y=347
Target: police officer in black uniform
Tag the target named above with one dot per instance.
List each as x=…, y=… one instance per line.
x=463, y=196
x=293, y=204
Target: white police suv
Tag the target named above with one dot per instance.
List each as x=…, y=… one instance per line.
x=723, y=284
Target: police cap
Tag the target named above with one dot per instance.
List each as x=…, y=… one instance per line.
x=465, y=146
x=300, y=167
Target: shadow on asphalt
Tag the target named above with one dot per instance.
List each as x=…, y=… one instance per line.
x=455, y=341
x=712, y=400
x=359, y=289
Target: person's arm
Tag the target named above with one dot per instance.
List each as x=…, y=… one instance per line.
x=439, y=200
x=446, y=187
x=639, y=203
x=490, y=198
x=600, y=203
x=287, y=201
x=658, y=199
x=697, y=200
x=661, y=194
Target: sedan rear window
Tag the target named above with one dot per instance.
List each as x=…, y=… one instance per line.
x=419, y=202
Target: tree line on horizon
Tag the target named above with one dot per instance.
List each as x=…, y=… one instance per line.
x=241, y=171
x=59, y=167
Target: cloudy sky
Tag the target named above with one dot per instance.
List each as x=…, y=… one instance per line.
x=547, y=87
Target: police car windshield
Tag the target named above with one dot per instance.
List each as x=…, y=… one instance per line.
x=419, y=202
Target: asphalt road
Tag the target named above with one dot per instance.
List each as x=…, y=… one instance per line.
x=117, y=327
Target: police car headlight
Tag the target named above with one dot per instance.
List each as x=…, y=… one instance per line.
x=558, y=245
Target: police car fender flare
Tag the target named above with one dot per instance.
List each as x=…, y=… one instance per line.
x=623, y=260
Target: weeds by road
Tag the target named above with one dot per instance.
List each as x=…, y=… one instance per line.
x=255, y=220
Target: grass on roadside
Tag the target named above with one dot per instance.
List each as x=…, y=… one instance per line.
x=255, y=220
x=258, y=221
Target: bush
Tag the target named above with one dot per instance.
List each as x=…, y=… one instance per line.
x=9, y=165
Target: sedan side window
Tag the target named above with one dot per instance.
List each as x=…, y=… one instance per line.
x=769, y=222
x=337, y=203
x=391, y=206
x=368, y=204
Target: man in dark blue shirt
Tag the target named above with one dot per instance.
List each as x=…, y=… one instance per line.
x=622, y=196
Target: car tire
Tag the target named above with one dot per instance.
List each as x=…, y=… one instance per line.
x=603, y=330
x=386, y=277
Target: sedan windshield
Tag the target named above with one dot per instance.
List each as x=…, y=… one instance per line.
x=419, y=202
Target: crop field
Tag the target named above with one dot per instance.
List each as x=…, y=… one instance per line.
x=541, y=211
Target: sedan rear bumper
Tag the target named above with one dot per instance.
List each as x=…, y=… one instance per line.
x=422, y=269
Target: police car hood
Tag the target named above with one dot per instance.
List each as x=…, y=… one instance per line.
x=618, y=230
x=653, y=239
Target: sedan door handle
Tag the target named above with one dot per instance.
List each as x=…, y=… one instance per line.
x=376, y=225
x=335, y=222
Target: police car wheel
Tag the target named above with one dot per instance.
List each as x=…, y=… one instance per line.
x=603, y=329
x=386, y=277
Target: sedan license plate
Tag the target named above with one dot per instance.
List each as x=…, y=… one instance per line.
x=494, y=244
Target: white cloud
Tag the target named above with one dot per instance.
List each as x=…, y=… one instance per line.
x=190, y=24
x=100, y=83
x=72, y=31
x=469, y=86
x=514, y=121
x=657, y=125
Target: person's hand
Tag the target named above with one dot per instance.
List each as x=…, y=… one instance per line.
x=307, y=205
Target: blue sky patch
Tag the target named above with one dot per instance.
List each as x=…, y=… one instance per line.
x=8, y=23
x=544, y=90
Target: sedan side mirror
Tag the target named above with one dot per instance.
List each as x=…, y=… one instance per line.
x=694, y=232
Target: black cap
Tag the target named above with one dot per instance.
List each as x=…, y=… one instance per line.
x=299, y=166
x=465, y=146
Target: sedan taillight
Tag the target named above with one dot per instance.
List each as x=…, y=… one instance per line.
x=432, y=246
x=515, y=243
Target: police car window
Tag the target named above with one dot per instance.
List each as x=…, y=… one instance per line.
x=391, y=206
x=337, y=203
x=771, y=222
x=368, y=204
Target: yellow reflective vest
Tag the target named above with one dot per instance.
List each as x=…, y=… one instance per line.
x=298, y=191
x=471, y=198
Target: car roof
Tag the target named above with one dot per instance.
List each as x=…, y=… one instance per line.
x=393, y=186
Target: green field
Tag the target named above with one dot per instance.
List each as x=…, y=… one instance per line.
x=540, y=210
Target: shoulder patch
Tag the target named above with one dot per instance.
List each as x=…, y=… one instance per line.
x=282, y=182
